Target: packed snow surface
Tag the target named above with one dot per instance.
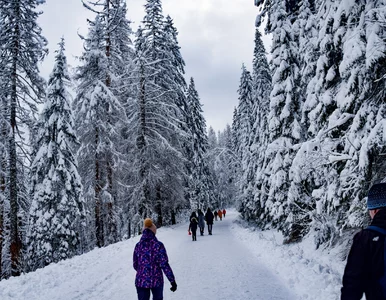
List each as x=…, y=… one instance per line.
x=234, y=263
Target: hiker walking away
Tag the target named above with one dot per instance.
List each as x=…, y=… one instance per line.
x=220, y=214
x=201, y=221
x=224, y=212
x=215, y=215
x=209, y=220
x=193, y=226
x=365, y=269
x=149, y=260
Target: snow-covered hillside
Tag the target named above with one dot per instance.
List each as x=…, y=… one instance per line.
x=233, y=263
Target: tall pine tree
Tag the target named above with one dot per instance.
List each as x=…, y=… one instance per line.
x=57, y=207
x=201, y=183
x=157, y=120
x=22, y=48
x=99, y=116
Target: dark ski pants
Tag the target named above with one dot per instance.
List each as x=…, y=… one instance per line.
x=144, y=293
x=194, y=235
x=202, y=230
x=210, y=228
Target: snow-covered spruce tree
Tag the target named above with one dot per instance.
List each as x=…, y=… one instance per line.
x=117, y=46
x=285, y=113
x=304, y=177
x=176, y=66
x=307, y=27
x=57, y=209
x=259, y=137
x=360, y=101
x=212, y=154
x=244, y=117
x=201, y=185
x=98, y=118
x=235, y=129
x=235, y=146
x=4, y=129
x=345, y=116
x=212, y=139
x=155, y=122
x=224, y=164
x=343, y=113
x=22, y=48
x=245, y=121
x=120, y=54
x=184, y=137
x=312, y=176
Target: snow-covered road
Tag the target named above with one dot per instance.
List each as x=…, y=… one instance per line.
x=219, y=267
x=212, y=268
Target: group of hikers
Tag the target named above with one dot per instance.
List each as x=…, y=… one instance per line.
x=364, y=274
x=150, y=258
x=199, y=221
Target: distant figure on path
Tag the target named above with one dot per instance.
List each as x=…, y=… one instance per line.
x=201, y=221
x=149, y=260
x=209, y=220
x=220, y=214
x=224, y=212
x=365, y=268
x=215, y=215
x=193, y=226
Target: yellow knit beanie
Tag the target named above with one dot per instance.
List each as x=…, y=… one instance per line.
x=148, y=224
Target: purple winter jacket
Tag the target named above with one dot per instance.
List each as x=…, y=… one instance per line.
x=149, y=260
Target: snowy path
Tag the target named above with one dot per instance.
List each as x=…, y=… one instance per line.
x=212, y=268
x=220, y=267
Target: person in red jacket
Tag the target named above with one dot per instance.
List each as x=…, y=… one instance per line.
x=365, y=269
x=219, y=213
x=149, y=260
x=224, y=212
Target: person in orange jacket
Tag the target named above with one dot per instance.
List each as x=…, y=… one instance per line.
x=224, y=212
x=220, y=214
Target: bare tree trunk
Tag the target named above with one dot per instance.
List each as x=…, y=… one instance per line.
x=98, y=203
x=141, y=144
x=15, y=242
x=129, y=229
x=112, y=226
x=174, y=217
x=2, y=181
x=158, y=207
x=2, y=190
x=108, y=40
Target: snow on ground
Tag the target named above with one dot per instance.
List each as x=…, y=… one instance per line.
x=234, y=263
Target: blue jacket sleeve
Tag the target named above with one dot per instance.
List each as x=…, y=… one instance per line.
x=164, y=263
x=135, y=258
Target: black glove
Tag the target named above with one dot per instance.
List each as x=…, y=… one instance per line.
x=174, y=286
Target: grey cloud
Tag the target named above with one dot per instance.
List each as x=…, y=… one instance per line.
x=214, y=43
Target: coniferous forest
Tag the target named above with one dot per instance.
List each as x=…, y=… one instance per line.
x=79, y=172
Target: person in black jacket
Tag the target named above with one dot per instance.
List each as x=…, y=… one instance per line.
x=193, y=226
x=365, y=263
x=209, y=220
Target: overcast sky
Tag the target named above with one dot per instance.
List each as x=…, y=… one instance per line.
x=215, y=36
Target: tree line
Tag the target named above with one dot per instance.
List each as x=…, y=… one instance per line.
x=84, y=171
x=309, y=129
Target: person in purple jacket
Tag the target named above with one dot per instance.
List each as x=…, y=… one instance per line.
x=149, y=260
